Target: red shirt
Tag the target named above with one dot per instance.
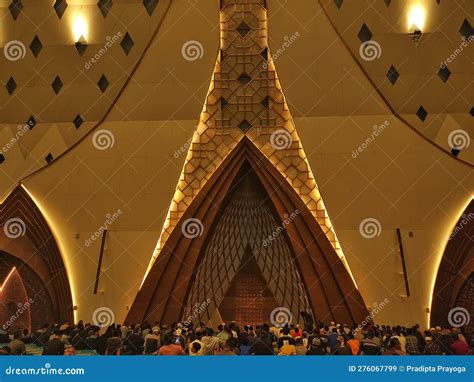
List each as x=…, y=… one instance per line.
x=460, y=348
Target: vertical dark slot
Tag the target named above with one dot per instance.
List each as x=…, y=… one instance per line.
x=402, y=256
x=99, y=264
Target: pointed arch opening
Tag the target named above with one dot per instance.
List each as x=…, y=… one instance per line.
x=317, y=275
x=27, y=243
x=454, y=286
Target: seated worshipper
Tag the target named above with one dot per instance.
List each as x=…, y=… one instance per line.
x=263, y=343
x=285, y=338
x=316, y=347
x=287, y=349
x=195, y=348
x=394, y=348
x=369, y=345
x=431, y=347
x=70, y=350
x=342, y=347
x=25, y=336
x=54, y=346
x=152, y=341
x=412, y=346
x=354, y=344
x=92, y=337
x=228, y=349
x=458, y=347
x=114, y=343
x=211, y=343
x=134, y=342
x=170, y=348
x=197, y=344
x=332, y=339
x=17, y=346
x=301, y=349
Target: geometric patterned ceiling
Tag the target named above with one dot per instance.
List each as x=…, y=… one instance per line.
x=51, y=86
x=63, y=94
x=429, y=84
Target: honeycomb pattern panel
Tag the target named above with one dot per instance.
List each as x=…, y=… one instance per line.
x=246, y=223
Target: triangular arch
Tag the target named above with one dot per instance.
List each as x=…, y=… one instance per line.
x=331, y=292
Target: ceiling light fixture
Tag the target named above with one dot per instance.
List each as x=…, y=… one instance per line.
x=416, y=22
x=80, y=31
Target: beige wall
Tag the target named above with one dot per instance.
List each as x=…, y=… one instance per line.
x=400, y=179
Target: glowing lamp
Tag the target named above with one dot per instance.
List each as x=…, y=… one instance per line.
x=416, y=22
x=80, y=30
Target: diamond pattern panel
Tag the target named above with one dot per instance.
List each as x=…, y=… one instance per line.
x=269, y=124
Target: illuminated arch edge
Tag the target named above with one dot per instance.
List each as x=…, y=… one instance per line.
x=454, y=268
x=313, y=199
x=332, y=294
x=20, y=204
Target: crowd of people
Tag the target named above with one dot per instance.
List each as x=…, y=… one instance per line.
x=230, y=339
